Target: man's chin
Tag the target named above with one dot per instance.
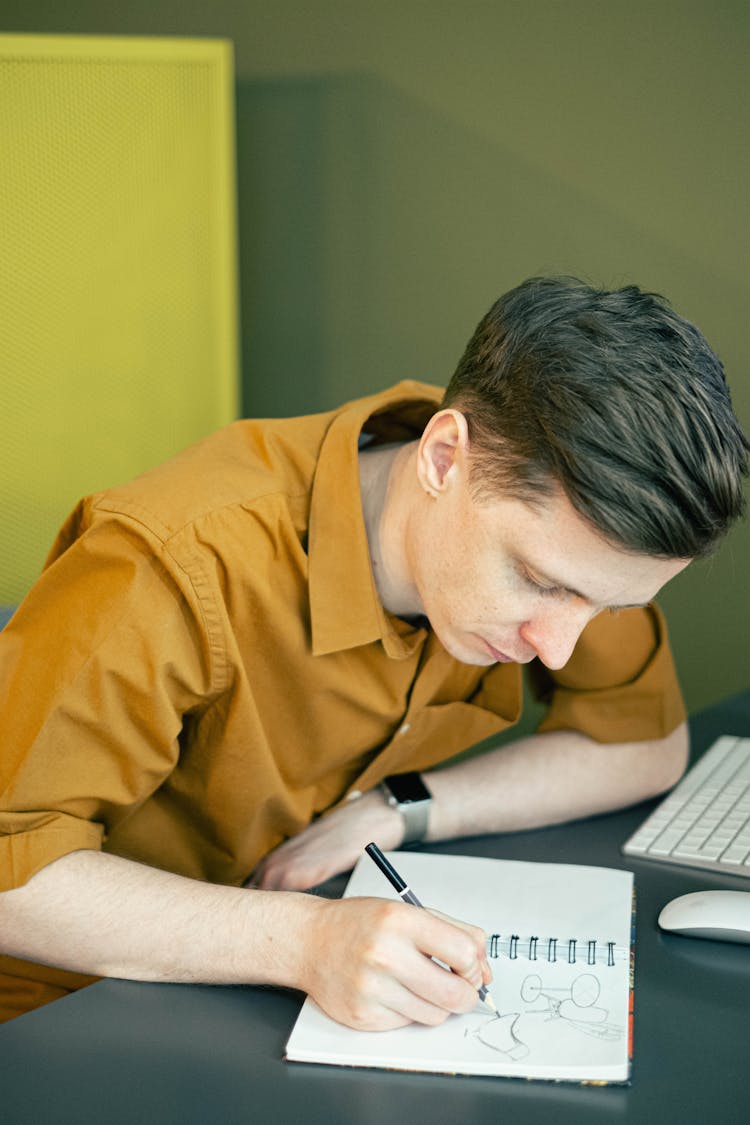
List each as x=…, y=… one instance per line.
x=467, y=654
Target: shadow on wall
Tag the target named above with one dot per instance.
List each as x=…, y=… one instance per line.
x=375, y=231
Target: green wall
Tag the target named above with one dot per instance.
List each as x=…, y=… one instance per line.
x=402, y=163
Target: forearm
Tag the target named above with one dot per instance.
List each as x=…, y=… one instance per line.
x=97, y=913
x=548, y=779
x=370, y=963
x=544, y=779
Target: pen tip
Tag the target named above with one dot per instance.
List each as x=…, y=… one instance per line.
x=490, y=1003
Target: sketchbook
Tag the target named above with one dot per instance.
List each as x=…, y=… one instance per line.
x=559, y=943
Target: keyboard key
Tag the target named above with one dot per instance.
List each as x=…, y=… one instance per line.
x=666, y=843
x=737, y=853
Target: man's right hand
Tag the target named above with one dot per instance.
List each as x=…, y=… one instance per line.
x=368, y=963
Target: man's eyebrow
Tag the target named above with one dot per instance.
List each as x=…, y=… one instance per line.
x=628, y=605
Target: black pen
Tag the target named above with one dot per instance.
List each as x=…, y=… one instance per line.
x=406, y=894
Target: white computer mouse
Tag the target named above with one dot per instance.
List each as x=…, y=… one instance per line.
x=721, y=915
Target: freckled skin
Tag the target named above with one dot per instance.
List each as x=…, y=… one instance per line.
x=482, y=578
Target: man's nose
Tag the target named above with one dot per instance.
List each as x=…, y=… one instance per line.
x=553, y=633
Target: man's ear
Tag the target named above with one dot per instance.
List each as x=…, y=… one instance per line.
x=443, y=450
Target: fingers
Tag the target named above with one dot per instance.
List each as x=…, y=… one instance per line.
x=434, y=993
x=392, y=1004
x=462, y=948
x=296, y=865
x=373, y=966
x=285, y=870
x=479, y=939
x=328, y=846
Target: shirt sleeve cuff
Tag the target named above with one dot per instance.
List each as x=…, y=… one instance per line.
x=23, y=853
x=646, y=705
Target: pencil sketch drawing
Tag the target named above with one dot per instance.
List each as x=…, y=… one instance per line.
x=500, y=1033
x=576, y=1005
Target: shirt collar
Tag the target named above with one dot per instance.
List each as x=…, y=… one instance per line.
x=345, y=610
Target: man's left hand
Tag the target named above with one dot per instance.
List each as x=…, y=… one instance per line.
x=330, y=845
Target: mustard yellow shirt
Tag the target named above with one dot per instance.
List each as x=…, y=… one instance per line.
x=204, y=666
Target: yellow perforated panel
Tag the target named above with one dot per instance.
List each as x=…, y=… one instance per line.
x=118, y=305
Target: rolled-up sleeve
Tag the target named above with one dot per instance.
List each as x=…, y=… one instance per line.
x=91, y=702
x=620, y=684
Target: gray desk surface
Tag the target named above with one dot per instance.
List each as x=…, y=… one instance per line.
x=126, y=1052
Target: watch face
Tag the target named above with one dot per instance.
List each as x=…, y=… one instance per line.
x=407, y=788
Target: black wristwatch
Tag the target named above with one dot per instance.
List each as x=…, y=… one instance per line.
x=408, y=793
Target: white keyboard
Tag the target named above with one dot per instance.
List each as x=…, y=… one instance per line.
x=705, y=820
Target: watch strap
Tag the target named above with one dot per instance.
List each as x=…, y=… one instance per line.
x=415, y=811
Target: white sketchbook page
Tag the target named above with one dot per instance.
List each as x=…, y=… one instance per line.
x=567, y=1021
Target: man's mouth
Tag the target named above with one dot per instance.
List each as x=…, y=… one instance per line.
x=500, y=657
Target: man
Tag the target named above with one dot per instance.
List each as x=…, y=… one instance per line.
x=225, y=658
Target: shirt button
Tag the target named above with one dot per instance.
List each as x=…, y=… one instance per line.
x=354, y=795
x=404, y=728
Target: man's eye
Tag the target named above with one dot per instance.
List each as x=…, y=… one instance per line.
x=545, y=591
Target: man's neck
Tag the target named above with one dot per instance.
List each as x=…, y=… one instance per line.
x=384, y=479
